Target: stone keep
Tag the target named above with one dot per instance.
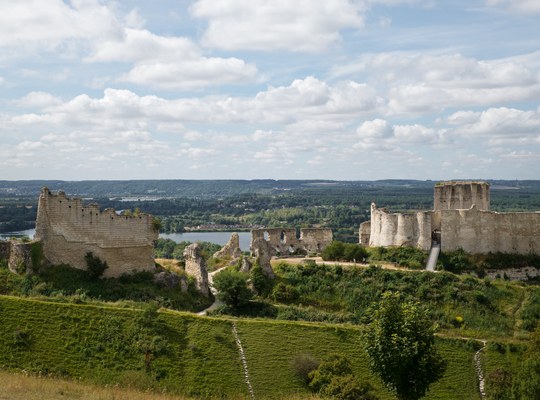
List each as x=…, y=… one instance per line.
x=68, y=230
x=196, y=267
x=460, y=219
x=459, y=195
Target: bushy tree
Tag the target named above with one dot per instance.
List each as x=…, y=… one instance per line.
x=334, y=378
x=94, y=266
x=400, y=343
x=339, y=251
x=232, y=288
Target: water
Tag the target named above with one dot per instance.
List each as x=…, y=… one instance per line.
x=29, y=232
x=220, y=238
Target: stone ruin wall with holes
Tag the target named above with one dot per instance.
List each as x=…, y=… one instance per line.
x=461, y=218
x=68, y=229
x=284, y=242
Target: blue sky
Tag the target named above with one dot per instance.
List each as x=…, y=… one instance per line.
x=237, y=89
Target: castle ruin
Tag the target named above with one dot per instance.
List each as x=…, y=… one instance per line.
x=460, y=219
x=68, y=230
x=284, y=242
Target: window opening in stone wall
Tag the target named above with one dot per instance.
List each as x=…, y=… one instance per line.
x=282, y=237
x=266, y=236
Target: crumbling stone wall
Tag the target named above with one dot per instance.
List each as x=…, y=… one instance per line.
x=458, y=195
x=262, y=249
x=284, y=242
x=231, y=249
x=196, y=267
x=68, y=230
x=20, y=257
x=365, y=233
x=481, y=232
x=314, y=240
x=473, y=229
x=411, y=229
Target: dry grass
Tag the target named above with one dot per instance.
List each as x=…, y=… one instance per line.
x=22, y=387
x=170, y=264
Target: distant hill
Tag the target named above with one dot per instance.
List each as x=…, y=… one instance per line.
x=215, y=188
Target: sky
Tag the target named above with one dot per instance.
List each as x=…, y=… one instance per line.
x=269, y=89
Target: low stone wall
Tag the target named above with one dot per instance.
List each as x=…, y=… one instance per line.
x=514, y=274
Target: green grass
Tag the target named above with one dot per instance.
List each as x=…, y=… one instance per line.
x=331, y=293
x=99, y=345
x=63, y=283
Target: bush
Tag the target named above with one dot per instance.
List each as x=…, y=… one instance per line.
x=232, y=288
x=303, y=364
x=284, y=293
x=334, y=378
x=261, y=283
x=338, y=251
x=94, y=266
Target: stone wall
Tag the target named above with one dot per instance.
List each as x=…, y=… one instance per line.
x=284, y=242
x=314, y=240
x=68, y=230
x=515, y=274
x=411, y=229
x=196, y=267
x=365, y=233
x=20, y=257
x=461, y=195
x=477, y=231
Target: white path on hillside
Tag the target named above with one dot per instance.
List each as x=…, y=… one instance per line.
x=243, y=359
x=217, y=303
x=479, y=370
x=433, y=256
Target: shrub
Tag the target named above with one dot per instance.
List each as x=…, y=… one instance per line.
x=261, y=283
x=284, y=293
x=232, y=288
x=94, y=266
x=303, y=364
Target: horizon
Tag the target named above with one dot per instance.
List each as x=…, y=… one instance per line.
x=334, y=90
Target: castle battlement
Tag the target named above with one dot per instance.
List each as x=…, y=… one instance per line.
x=69, y=229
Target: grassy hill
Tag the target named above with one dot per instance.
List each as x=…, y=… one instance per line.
x=198, y=356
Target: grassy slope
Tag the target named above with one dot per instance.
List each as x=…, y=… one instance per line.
x=202, y=359
x=21, y=387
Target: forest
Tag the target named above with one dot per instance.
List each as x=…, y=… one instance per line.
x=241, y=205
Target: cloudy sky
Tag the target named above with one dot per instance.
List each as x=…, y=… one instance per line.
x=246, y=89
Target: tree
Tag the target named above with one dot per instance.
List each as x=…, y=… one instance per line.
x=232, y=288
x=400, y=343
x=334, y=378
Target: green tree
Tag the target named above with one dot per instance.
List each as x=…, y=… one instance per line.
x=334, y=378
x=400, y=343
x=334, y=251
x=232, y=288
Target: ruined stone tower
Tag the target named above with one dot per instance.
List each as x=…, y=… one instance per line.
x=68, y=230
x=457, y=195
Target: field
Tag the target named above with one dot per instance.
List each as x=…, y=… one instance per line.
x=100, y=345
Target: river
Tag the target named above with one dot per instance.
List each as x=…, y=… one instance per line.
x=213, y=237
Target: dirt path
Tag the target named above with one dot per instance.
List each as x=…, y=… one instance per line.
x=320, y=261
x=217, y=303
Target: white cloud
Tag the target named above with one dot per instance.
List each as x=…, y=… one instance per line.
x=169, y=62
x=423, y=83
x=302, y=25
x=521, y=6
x=40, y=24
x=499, y=125
x=191, y=74
x=38, y=100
